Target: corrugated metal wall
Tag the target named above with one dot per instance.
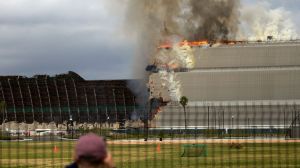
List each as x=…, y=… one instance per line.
x=249, y=55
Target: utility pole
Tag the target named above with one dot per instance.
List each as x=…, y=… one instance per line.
x=116, y=111
x=232, y=117
x=146, y=124
x=208, y=116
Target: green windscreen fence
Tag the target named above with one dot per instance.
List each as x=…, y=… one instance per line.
x=194, y=150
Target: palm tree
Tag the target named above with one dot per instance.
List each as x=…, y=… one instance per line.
x=184, y=101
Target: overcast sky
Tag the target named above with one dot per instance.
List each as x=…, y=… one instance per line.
x=85, y=36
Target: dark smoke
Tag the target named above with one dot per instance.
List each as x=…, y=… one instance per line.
x=218, y=19
x=190, y=19
x=155, y=21
x=140, y=90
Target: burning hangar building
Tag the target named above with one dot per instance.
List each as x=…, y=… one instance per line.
x=229, y=86
x=238, y=85
x=65, y=97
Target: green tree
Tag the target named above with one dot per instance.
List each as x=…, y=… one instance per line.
x=184, y=101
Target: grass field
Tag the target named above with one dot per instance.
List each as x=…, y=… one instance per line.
x=42, y=154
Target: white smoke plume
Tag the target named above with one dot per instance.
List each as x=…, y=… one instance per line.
x=260, y=20
x=169, y=60
x=180, y=56
x=185, y=55
x=168, y=80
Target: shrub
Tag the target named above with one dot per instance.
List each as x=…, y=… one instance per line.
x=235, y=146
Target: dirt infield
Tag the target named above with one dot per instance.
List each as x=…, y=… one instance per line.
x=203, y=141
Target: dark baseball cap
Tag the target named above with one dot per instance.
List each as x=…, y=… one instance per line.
x=91, y=145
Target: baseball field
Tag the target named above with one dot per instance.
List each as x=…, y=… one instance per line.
x=139, y=154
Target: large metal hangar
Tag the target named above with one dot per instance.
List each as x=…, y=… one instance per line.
x=64, y=97
x=249, y=85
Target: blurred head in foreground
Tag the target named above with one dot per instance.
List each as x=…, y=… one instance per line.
x=91, y=152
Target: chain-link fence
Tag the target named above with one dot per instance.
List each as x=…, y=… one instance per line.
x=43, y=117
x=234, y=135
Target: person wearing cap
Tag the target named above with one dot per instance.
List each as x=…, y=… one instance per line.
x=91, y=152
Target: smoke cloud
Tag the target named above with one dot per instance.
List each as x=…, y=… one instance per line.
x=156, y=21
x=189, y=19
x=260, y=20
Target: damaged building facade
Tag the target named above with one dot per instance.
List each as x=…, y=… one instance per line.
x=246, y=85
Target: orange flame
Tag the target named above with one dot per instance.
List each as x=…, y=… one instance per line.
x=159, y=110
x=168, y=45
x=173, y=66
